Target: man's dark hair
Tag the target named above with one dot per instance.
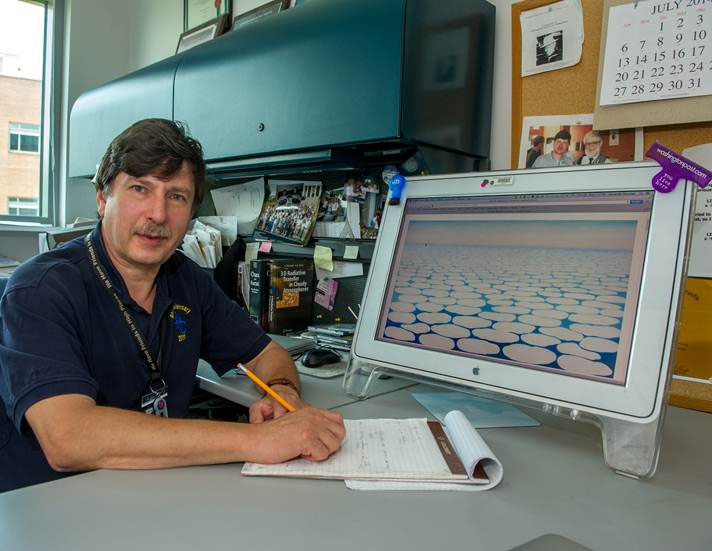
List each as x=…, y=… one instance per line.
x=563, y=135
x=537, y=140
x=155, y=147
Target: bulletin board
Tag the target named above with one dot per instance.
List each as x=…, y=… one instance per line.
x=572, y=90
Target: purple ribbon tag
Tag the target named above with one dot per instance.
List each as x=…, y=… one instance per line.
x=675, y=167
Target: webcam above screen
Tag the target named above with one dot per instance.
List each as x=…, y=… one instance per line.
x=552, y=288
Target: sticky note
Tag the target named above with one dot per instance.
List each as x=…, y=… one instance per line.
x=351, y=252
x=265, y=246
x=251, y=251
x=323, y=258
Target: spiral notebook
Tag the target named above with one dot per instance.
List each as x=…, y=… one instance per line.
x=401, y=454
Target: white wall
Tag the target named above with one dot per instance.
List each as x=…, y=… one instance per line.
x=501, y=135
x=241, y=6
x=97, y=35
x=108, y=39
x=155, y=27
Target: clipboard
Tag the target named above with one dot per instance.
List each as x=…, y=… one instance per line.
x=647, y=113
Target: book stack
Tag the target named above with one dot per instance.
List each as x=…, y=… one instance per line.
x=338, y=336
x=280, y=293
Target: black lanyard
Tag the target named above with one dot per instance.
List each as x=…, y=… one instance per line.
x=154, y=365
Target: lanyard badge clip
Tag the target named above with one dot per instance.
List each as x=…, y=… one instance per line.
x=156, y=401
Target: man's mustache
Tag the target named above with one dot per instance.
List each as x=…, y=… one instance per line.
x=154, y=230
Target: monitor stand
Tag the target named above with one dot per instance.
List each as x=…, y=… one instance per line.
x=630, y=448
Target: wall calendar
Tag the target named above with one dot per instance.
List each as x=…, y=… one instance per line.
x=657, y=50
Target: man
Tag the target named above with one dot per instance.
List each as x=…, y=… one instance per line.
x=559, y=155
x=99, y=332
x=592, y=150
x=535, y=150
x=549, y=49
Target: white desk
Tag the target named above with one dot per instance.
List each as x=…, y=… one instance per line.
x=321, y=393
x=555, y=480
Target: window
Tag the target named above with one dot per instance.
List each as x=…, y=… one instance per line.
x=25, y=137
x=23, y=206
x=27, y=131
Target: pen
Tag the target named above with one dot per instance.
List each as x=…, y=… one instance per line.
x=264, y=387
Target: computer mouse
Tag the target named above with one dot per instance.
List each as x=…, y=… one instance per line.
x=319, y=356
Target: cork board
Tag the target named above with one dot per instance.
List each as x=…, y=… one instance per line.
x=692, y=382
x=648, y=113
x=573, y=90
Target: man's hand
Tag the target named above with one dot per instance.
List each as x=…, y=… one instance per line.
x=268, y=408
x=310, y=433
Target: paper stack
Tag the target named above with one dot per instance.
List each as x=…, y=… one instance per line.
x=203, y=244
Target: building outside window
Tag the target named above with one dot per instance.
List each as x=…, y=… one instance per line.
x=24, y=138
x=26, y=68
x=23, y=206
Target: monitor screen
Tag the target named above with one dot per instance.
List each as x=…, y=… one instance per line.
x=541, y=281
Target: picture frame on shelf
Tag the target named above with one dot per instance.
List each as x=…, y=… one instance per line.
x=202, y=33
x=199, y=12
x=265, y=10
x=290, y=210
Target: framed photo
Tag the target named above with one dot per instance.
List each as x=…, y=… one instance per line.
x=198, y=12
x=265, y=10
x=290, y=210
x=202, y=33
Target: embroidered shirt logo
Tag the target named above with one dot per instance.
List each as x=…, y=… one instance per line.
x=179, y=315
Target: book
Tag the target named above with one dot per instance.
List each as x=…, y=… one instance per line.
x=328, y=341
x=243, y=282
x=280, y=293
x=291, y=290
x=334, y=329
x=401, y=454
x=258, y=285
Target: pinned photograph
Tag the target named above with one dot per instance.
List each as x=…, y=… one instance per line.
x=570, y=140
x=290, y=210
x=331, y=208
x=337, y=217
x=549, y=47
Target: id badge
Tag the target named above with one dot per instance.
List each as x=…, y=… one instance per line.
x=156, y=403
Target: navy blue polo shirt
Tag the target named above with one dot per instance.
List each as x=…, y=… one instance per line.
x=61, y=333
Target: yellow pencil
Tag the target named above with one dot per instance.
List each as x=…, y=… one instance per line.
x=267, y=389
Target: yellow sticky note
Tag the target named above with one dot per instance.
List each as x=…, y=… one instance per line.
x=351, y=252
x=323, y=258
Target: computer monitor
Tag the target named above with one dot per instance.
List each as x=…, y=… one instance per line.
x=552, y=287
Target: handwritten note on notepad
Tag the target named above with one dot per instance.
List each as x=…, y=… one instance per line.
x=402, y=450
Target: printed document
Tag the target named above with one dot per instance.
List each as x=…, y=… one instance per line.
x=552, y=37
